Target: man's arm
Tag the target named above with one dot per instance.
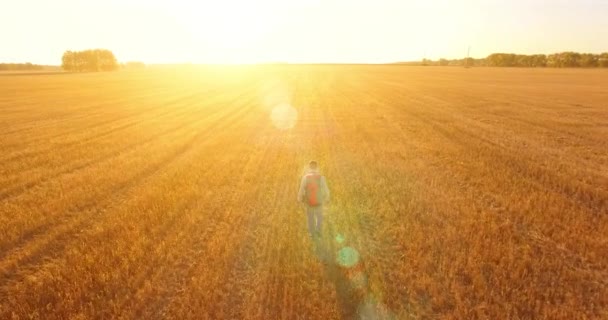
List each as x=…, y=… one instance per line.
x=302, y=190
x=325, y=188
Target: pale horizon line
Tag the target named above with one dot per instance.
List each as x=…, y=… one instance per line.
x=306, y=62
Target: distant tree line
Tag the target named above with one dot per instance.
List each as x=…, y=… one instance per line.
x=20, y=66
x=89, y=60
x=556, y=60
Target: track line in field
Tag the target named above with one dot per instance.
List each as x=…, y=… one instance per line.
x=455, y=139
x=521, y=105
x=185, y=95
x=366, y=301
x=222, y=236
x=156, y=306
x=469, y=140
x=352, y=284
x=24, y=187
x=252, y=247
x=200, y=120
x=493, y=147
x=178, y=111
x=184, y=240
x=143, y=176
x=131, y=120
x=404, y=193
x=80, y=115
x=92, y=201
x=489, y=152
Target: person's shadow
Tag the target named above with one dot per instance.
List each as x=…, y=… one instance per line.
x=350, y=280
x=326, y=250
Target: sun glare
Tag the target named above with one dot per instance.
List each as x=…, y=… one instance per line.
x=227, y=32
x=284, y=116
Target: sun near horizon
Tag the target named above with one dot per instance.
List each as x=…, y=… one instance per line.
x=240, y=31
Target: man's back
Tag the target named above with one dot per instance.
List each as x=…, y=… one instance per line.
x=313, y=189
x=314, y=193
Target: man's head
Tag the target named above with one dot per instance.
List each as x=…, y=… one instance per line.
x=313, y=165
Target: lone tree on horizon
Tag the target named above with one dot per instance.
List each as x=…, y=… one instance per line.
x=89, y=60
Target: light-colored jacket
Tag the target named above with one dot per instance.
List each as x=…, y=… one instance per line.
x=323, y=186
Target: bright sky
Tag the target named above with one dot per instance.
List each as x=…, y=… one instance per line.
x=242, y=31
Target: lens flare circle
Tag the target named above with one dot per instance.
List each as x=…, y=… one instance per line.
x=284, y=116
x=340, y=239
x=347, y=257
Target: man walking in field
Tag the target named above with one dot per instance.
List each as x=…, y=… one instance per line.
x=313, y=193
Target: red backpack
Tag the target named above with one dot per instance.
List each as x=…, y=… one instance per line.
x=313, y=192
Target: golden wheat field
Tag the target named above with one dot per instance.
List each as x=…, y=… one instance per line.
x=170, y=193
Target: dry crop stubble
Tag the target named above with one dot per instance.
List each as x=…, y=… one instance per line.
x=161, y=204
x=162, y=193
x=76, y=179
